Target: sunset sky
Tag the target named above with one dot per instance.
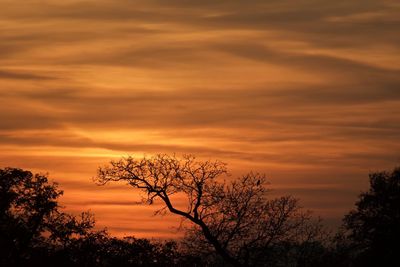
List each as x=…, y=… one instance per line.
x=305, y=91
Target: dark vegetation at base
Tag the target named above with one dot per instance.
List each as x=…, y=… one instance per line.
x=34, y=231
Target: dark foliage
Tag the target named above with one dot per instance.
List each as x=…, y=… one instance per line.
x=254, y=230
x=34, y=232
x=29, y=211
x=374, y=226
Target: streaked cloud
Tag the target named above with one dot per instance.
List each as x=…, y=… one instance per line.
x=306, y=91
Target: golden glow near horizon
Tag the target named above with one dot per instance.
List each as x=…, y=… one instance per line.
x=306, y=91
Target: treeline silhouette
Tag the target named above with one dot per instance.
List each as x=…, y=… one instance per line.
x=35, y=232
x=249, y=228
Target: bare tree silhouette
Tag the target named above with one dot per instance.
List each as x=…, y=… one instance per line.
x=235, y=218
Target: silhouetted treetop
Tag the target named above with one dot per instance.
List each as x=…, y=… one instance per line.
x=30, y=219
x=235, y=218
x=374, y=225
x=35, y=232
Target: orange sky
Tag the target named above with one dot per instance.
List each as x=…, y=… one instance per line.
x=305, y=91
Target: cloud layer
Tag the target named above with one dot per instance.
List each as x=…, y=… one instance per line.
x=306, y=91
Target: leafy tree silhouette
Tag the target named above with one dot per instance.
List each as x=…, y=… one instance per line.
x=235, y=219
x=35, y=232
x=28, y=212
x=374, y=226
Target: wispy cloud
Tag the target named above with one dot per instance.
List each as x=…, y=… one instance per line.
x=307, y=91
